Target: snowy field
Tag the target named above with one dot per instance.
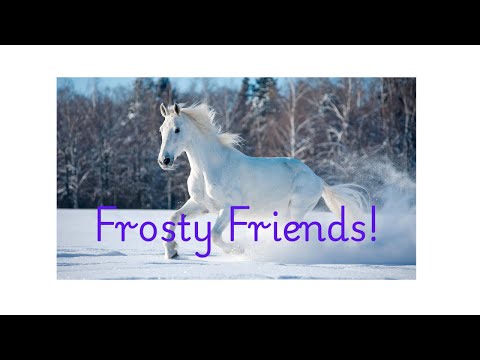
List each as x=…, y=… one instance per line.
x=80, y=256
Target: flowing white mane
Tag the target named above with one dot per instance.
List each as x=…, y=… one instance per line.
x=204, y=118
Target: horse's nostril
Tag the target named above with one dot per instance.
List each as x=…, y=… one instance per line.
x=166, y=161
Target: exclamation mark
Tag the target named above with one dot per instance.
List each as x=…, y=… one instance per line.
x=373, y=223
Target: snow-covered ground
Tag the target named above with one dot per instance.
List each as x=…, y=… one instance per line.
x=81, y=256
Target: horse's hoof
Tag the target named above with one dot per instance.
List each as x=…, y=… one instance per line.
x=171, y=250
x=170, y=256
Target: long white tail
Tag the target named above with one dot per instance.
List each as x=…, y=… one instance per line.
x=351, y=196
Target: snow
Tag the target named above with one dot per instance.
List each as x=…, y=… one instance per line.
x=81, y=256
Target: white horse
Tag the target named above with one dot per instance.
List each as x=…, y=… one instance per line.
x=222, y=176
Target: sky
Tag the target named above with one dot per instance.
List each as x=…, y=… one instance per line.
x=84, y=85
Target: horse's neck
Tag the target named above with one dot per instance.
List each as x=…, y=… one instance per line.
x=206, y=154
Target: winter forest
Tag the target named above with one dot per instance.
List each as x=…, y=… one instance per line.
x=108, y=140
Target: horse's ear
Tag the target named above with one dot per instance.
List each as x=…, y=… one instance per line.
x=176, y=108
x=163, y=110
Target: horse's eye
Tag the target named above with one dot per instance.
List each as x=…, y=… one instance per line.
x=177, y=130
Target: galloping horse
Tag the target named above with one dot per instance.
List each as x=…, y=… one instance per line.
x=222, y=176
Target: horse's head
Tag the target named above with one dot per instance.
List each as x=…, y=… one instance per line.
x=174, y=136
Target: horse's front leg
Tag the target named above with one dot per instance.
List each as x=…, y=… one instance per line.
x=190, y=209
x=220, y=225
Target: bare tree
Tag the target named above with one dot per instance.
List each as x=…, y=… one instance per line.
x=73, y=167
x=294, y=141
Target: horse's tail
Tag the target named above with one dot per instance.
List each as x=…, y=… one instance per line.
x=351, y=196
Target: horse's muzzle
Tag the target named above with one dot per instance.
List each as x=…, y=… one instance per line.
x=166, y=163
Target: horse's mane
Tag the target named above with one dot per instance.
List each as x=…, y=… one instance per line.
x=203, y=117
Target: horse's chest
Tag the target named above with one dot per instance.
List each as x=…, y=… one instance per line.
x=209, y=194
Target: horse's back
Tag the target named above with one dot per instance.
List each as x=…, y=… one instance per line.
x=276, y=181
x=289, y=167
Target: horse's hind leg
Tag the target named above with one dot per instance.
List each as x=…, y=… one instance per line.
x=299, y=209
x=304, y=198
